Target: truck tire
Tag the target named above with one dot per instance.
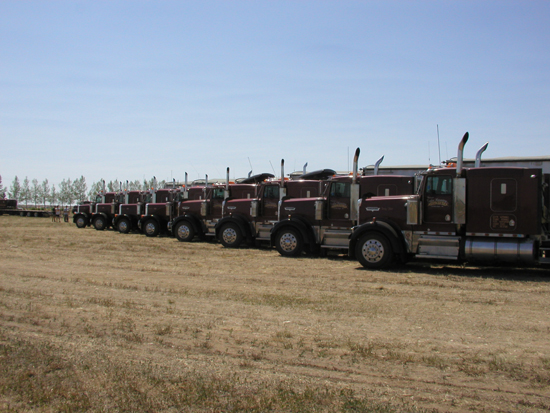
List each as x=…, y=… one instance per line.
x=124, y=226
x=99, y=223
x=289, y=242
x=231, y=235
x=184, y=231
x=81, y=222
x=151, y=228
x=374, y=251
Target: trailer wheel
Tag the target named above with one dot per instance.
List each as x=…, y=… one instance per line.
x=124, y=226
x=184, y=231
x=231, y=236
x=289, y=242
x=374, y=251
x=151, y=228
x=80, y=222
x=99, y=223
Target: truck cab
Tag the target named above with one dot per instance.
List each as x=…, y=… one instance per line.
x=202, y=207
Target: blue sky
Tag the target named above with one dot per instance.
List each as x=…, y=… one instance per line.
x=135, y=89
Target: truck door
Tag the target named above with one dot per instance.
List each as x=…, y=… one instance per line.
x=269, y=202
x=217, y=202
x=438, y=205
x=338, y=207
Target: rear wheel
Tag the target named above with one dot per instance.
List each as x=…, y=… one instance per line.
x=151, y=228
x=99, y=223
x=184, y=231
x=289, y=242
x=374, y=251
x=231, y=235
x=124, y=226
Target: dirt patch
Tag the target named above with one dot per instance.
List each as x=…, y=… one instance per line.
x=97, y=320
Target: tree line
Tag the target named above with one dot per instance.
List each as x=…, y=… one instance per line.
x=68, y=191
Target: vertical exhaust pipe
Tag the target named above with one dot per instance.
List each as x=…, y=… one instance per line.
x=377, y=165
x=460, y=154
x=354, y=190
x=305, y=166
x=282, y=173
x=478, y=154
x=355, y=166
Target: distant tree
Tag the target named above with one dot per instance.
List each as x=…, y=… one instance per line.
x=25, y=194
x=45, y=192
x=79, y=189
x=15, y=189
x=134, y=186
x=96, y=188
x=113, y=186
x=65, y=191
x=53, y=196
x=2, y=190
x=35, y=191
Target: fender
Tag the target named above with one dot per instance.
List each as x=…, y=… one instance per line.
x=296, y=223
x=241, y=222
x=383, y=227
x=82, y=214
x=118, y=217
x=195, y=223
x=147, y=217
x=103, y=214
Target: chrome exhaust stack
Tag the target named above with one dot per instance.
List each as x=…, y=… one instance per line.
x=460, y=154
x=377, y=165
x=478, y=154
x=354, y=190
x=226, y=194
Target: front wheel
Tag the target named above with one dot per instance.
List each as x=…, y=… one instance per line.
x=151, y=228
x=124, y=226
x=289, y=242
x=99, y=223
x=374, y=251
x=81, y=222
x=184, y=231
x=231, y=236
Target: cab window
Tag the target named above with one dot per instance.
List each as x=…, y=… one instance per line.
x=339, y=189
x=439, y=185
x=271, y=192
x=218, y=193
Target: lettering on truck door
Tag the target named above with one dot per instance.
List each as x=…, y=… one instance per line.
x=339, y=208
x=438, y=207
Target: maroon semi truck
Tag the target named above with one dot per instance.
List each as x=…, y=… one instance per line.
x=99, y=212
x=199, y=216
x=129, y=211
x=252, y=219
x=161, y=208
x=325, y=222
x=478, y=214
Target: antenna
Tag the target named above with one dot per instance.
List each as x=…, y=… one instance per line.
x=251, y=169
x=438, y=148
x=272, y=167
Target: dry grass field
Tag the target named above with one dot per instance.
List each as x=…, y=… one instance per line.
x=100, y=321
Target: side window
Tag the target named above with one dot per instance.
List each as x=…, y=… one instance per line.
x=504, y=195
x=271, y=192
x=339, y=189
x=218, y=193
x=439, y=185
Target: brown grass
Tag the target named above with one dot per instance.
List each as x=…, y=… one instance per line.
x=100, y=321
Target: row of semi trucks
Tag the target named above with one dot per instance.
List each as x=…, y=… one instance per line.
x=479, y=214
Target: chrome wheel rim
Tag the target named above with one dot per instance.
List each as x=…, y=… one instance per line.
x=183, y=231
x=150, y=228
x=373, y=251
x=229, y=235
x=288, y=242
